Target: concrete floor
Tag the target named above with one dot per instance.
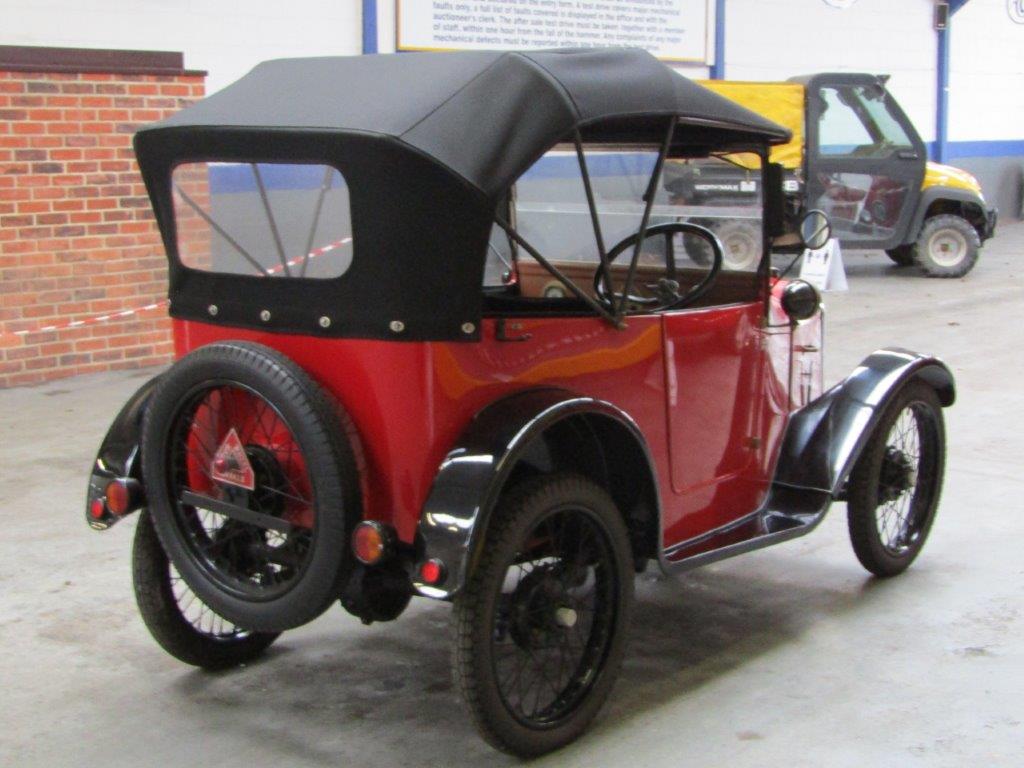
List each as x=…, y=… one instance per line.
x=790, y=656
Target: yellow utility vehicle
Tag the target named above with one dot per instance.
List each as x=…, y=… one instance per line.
x=855, y=155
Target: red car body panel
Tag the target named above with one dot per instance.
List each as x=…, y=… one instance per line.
x=709, y=389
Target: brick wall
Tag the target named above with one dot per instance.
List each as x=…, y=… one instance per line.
x=82, y=270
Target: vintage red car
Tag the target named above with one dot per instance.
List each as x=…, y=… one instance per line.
x=438, y=334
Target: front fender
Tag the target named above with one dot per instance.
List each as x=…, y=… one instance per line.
x=470, y=480
x=825, y=438
x=931, y=194
x=119, y=456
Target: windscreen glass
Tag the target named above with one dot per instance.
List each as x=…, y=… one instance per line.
x=721, y=193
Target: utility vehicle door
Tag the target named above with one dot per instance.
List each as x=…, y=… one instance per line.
x=865, y=161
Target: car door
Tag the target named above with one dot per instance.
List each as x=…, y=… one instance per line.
x=865, y=161
x=714, y=357
x=713, y=369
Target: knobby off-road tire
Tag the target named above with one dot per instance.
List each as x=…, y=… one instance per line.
x=894, y=489
x=179, y=621
x=217, y=561
x=523, y=605
x=902, y=255
x=948, y=246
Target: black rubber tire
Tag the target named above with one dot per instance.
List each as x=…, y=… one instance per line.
x=902, y=255
x=473, y=616
x=862, y=490
x=163, y=616
x=946, y=225
x=316, y=424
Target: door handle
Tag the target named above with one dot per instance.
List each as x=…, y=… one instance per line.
x=907, y=154
x=501, y=334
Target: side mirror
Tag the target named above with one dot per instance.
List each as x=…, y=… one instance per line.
x=800, y=300
x=815, y=229
x=774, y=200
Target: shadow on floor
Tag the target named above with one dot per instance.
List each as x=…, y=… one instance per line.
x=386, y=691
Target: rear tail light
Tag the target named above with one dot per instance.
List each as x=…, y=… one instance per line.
x=97, y=509
x=123, y=495
x=372, y=542
x=432, y=572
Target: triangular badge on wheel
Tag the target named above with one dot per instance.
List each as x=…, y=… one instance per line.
x=231, y=465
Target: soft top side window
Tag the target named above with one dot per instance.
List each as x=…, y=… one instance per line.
x=284, y=220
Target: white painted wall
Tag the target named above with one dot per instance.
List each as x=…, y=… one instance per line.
x=225, y=38
x=986, y=84
x=765, y=40
x=776, y=39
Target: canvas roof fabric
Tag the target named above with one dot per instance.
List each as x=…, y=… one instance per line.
x=486, y=116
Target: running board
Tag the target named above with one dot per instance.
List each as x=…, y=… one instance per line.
x=787, y=513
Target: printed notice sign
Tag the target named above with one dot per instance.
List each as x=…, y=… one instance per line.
x=672, y=30
x=824, y=268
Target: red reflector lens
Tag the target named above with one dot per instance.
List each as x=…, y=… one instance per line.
x=118, y=497
x=97, y=508
x=370, y=542
x=432, y=572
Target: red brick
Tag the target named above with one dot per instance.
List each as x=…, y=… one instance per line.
x=81, y=240
x=44, y=114
x=27, y=128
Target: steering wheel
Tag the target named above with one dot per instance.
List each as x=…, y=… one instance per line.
x=666, y=289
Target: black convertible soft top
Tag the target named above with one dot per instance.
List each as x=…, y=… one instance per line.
x=484, y=115
x=428, y=145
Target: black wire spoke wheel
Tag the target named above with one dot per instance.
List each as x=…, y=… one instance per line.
x=895, y=487
x=183, y=625
x=261, y=554
x=252, y=485
x=540, y=626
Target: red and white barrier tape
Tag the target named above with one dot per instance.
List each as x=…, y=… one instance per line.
x=163, y=302
x=311, y=255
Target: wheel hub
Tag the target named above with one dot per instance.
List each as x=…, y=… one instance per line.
x=899, y=475
x=539, y=610
x=948, y=247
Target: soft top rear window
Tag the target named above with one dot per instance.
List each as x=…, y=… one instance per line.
x=285, y=220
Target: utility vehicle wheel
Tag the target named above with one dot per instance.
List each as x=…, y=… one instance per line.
x=894, y=488
x=180, y=622
x=697, y=249
x=947, y=246
x=741, y=245
x=902, y=255
x=252, y=484
x=540, y=627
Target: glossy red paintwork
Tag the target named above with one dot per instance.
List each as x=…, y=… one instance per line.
x=708, y=388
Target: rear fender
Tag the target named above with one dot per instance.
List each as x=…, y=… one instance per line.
x=119, y=458
x=537, y=431
x=825, y=438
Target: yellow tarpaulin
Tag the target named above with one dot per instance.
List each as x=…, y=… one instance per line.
x=782, y=103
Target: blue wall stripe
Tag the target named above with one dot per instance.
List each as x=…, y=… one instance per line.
x=369, y=26
x=238, y=177
x=994, y=148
